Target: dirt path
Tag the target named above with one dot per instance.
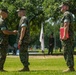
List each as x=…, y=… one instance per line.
x=39, y=56
x=45, y=57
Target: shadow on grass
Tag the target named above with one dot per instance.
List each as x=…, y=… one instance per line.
x=38, y=72
x=49, y=72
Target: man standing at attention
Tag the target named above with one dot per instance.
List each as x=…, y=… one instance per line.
x=67, y=23
x=23, y=39
x=4, y=32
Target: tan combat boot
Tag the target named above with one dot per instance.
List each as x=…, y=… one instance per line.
x=24, y=69
x=69, y=70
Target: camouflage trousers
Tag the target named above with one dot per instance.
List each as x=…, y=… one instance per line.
x=24, y=56
x=3, y=52
x=68, y=52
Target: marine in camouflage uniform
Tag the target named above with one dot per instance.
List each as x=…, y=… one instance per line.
x=4, y=32
x=68, y=43
x=24, y=57
x=3, y=43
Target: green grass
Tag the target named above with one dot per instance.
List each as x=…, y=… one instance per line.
x=38, y=66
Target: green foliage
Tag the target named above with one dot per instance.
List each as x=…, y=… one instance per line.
x=37, y=11
x=51, y=10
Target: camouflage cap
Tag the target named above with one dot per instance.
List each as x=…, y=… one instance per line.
x=4, y=10
x=19, y=9
x=64, y=3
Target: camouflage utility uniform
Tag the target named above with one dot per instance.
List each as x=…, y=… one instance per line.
x=69, y=43
x=25, y=41
x=3, y=43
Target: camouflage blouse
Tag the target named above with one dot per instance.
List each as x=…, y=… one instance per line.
x=3, y=37
x=24, y=22
x=68, y=17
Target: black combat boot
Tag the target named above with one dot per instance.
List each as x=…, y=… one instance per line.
x=2, y=70
x=24, y=69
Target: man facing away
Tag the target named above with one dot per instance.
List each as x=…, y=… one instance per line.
x=67, y=23
x=51, y=44
x=4, y=32
x=23, y=39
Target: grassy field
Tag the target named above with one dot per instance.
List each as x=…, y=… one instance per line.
x=39, y=65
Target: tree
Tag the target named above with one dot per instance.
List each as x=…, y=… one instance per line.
x=37, y=11
x=34, y=14
x=51, y=10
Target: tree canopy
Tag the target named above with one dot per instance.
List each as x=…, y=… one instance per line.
x=37, y=11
